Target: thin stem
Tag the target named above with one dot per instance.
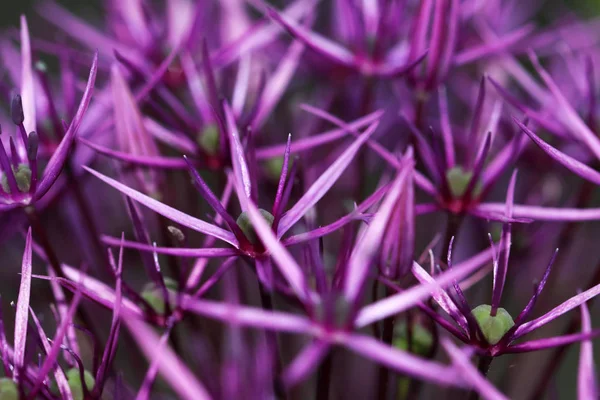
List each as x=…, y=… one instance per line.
x=88, y=220
x=266, y=300
x=40, y=232
x=483, y=366
x=387, y=338
x=324, y=377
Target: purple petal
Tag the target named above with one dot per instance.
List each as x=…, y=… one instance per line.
x=543, y=344
x=278, y=83
x=323, y=183
x=587, y=383
x=410, y=297
x=176, y=251
x=501, y=267
x=305, y=363
x=249, y=316
x=169, y=212
x=56, y=163
x=238, y=159
x=440, y=296
x=556, y=312
x=567, y=115
x=22, y=313
x=139, y=160
x=318, y=139
x=539, y=213
x=171, y=368
x=401, y=361
x=27, y=82
x=366, y=248
x=470, y=374
x=287, y=265
x=59, y=375
x=568, y=162
x=316, y=42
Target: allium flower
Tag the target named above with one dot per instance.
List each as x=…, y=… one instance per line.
x=343, y=129
x=20, y=186
x=491, y=329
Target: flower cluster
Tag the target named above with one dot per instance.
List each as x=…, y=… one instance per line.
x=252, y=199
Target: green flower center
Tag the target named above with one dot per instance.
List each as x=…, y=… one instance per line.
x=421, y=339
x=493, y=328
x=74, y=381
x=245, y=224
x=8, y=389
x=458, y=181
x=22, y=176
x=153, y=295
x=209, y=139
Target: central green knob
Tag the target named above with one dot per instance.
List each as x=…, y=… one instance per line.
x=245, y=224
x=75, y=384
x=458, y=181
x=493, y=328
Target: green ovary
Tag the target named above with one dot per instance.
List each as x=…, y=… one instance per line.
x=22, y=176
x=492, y=327
x=245, y=224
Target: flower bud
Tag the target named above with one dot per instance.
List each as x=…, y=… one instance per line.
x=421, y=339
x=16, y=110
x=493, y=328
x=245, y=224
x=458, y=181
x=75, y=384
x=8, y=389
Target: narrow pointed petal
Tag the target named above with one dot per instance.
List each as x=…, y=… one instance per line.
x=567, y=115
x=52, y=356
x=56, y=163
x=470, y=374
x=318, y=139
x=440, y=296
x=556, y=312
x=305, y=363
x=323, y=183
x=176, y=251
x=145, y=388
x=568, y=162
x=409, y=298
x=557, y=341
x=27, y=82
x=501, y=270
x=170, y=366
x=371, y=237
x=538, y=213
x=22, y=313
x=278, y=83
x=249, y=316
x=446, y=128
x=587, y=381
x=59, y=375
x=139, y=160
x=402, y=361
x=321, y=45
x=287, y=265
x=238, y=158
x=356, y=214
x=212, y=200
x=169, y=212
